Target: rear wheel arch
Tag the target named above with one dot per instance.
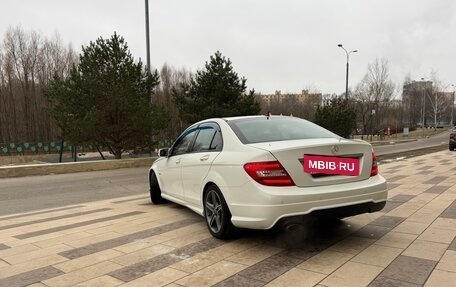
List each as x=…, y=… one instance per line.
x=225, y=228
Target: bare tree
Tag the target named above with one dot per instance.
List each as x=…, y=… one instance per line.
x=28, y=61
x=440, y=101
x=171, y=78
x=373, y=96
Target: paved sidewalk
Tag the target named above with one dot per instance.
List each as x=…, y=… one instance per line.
x=130, y=242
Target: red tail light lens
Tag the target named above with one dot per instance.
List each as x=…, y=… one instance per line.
x=269, y=173
x=374, y=170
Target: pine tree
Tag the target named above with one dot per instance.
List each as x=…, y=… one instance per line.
x=337, y=117
x=216, y=91
x=106, y=98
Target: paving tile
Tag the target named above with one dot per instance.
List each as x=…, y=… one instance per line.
x=377, y=255
x=325, y=262
x=254, y=255
x=390, y=205
x=437, y=189
x=141, y=255
x=3, y=263
x=159, y=278
x=438, y=235
x=401, y=198
x=10, y=270
x=218, y=272
x=426, y=250
x=393, y=185
x=344, y=276
x=425, y=172
x=47, y=219
x=425, y=167
x=372, y=231
x=66, y=238
x=41, y=212
x=82, y=275
x=20, y=249
x=290, y=278
x=382, y=281
x=112, y=243
x=194, y=234
x=239, y=281
x=397, y=239
x=30, y=277
x=79, y=263
x=424, y=216
x=445, y=223
x=452, y=245
x=448, y=261
x=441, y=278
x=130, y=199
x=411, y=227
x=74, y=225
x=37, y=285
x=352, y=245
x=396, y=178
x=202, y=260
x=156, y=263
x=436, y=180
x=388, y=221
x=36, y=254
x=103, y=281
x=141, y=244
x=450, y=212
x=409, y=269
x=270, y=268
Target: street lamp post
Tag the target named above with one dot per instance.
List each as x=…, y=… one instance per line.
x=452, y=107
x=423, y=87
x=346, y=74
x=147, y=36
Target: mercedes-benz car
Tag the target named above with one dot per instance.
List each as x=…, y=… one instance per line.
x=254, y=171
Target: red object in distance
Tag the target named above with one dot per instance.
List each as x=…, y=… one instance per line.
x=331, y=165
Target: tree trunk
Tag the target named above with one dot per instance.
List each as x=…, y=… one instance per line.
x=117, y=152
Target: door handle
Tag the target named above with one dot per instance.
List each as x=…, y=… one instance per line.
x=203, y=158
x=178, y=161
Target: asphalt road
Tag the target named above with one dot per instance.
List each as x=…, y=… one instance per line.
x=31, y=193
x=439, y=139
x=23, y=194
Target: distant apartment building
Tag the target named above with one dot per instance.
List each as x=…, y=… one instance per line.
x=301, y=105
x=423, y=103
x=303, y=97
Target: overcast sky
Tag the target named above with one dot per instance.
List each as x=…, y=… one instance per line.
x=286, y=45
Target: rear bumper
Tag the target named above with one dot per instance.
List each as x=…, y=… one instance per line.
x=339, y=200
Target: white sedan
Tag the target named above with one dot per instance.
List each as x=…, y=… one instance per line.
x=252, y=172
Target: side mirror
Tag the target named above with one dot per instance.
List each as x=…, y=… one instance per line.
x=163, y=152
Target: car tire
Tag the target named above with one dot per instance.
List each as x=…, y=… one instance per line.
x=155, y=191
x=217, y=214
x=451, y=148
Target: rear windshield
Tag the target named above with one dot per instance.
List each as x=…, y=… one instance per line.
x=262, y=129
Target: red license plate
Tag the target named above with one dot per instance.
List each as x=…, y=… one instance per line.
x=331, y=165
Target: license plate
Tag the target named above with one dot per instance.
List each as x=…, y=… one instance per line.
x=331, y=165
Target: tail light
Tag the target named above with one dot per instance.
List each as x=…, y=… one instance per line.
x=269, y=173
x=374, y=169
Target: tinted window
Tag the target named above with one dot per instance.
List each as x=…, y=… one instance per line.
x=204, y=139
x=262, y=129
x=183, y=143
x=217, y=142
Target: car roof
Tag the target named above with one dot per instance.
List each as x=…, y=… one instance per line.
x=251, y=117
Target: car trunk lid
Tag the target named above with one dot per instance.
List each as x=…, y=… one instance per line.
x=329, y=160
